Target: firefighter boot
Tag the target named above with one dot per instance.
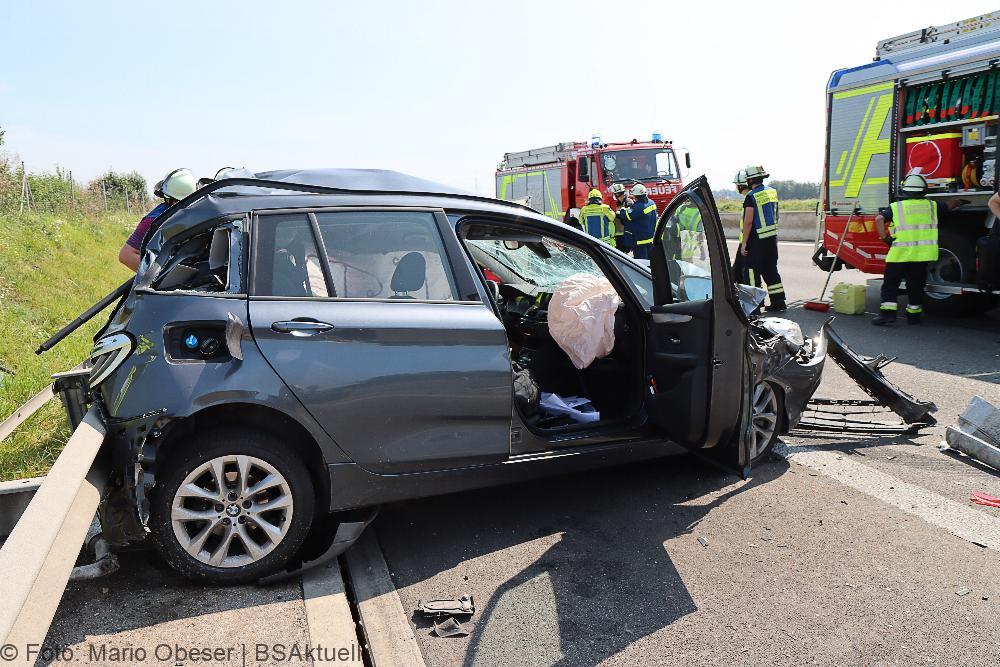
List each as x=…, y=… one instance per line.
x=885, y=317
x=777, y=304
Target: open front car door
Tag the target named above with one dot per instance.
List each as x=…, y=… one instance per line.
x=696, y=355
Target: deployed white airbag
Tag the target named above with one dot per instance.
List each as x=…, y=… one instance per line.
x=582, y=317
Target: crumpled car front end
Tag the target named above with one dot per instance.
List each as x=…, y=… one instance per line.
x=784, y=357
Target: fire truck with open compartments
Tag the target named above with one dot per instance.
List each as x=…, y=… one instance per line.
x=928, y=103
x=554, y=180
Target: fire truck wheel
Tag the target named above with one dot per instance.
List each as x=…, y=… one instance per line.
x=956, y=265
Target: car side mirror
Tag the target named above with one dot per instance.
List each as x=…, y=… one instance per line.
x=583, y=170
x=687, y=160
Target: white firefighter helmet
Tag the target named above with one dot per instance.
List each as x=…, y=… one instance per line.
x=178, y=184
x=740, y=180
x=755, y=171
x=914, y=185
x=638, y=190
x=616, y=189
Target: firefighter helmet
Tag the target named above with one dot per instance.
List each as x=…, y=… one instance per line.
x=178, y=184
x=914, y=185
x=639, y=190
x=617, y=189
x=755, y=171
x=740, y=180
x=595, y=194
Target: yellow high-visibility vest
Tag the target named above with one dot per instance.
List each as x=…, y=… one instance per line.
x=914, y=231
x=598, y=220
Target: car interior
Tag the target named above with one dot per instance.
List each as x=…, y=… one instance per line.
x=384, y=257
x=525, y=273
x=199, y=263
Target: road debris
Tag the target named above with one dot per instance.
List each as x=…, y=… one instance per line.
x=460, y=606
x=703, y=541
x=451, y=628
x=980, y=498
x=962, y=592
x=977, y=434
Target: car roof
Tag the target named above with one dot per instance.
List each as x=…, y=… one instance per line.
x=317, y=188
x=360, y=179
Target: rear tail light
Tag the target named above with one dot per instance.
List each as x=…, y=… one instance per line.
x=107, y=355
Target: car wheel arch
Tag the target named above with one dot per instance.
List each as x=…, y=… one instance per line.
x=256, y=416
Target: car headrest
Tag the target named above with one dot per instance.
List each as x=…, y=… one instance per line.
x=410, y=273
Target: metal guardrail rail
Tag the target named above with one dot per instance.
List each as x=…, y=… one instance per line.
x=38, y=557
x=30, y=407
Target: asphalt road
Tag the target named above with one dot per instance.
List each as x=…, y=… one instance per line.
x=850, y=551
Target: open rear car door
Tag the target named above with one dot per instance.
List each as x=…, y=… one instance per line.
x=696, y=355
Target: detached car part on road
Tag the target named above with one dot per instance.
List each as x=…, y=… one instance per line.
x=310, y=344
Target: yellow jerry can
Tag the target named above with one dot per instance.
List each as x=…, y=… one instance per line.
x=849, y=299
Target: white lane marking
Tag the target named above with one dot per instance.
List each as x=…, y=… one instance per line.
x=960, y=520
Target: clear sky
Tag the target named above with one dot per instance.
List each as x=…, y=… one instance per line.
x=437, y=89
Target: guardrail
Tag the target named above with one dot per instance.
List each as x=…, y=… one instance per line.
x=67, y=380
x=38, y=557
x=30, y=407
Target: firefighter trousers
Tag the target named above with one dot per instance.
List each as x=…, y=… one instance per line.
x=915, y=275
x=761, y=266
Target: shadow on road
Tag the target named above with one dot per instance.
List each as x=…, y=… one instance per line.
x=601, y=577
x=940, y=344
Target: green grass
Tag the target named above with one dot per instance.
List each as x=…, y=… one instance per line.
x=52, y=268
x=735, y=205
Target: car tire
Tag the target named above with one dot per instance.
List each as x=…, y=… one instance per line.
x=767, y=420
x=956, y=264
x=239, y=533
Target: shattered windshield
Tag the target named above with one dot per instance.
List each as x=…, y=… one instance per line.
x=643, y=164
x=543, y=265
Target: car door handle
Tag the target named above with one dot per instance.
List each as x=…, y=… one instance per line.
x=301, y=327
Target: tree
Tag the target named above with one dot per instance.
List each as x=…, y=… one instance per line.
x=118, y=185
x=796, y=189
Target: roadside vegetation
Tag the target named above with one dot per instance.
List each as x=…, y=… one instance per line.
x=735, y=205
x=55, y=262
x=792, y=196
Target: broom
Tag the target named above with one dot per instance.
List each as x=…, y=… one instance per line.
x=819, y=304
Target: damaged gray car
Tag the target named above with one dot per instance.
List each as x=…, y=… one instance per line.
x=302, y=346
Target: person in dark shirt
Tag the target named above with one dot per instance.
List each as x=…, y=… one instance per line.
x=759, y=237
x=177, y=185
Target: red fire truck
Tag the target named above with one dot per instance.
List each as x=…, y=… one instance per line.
x=928, y=104
x=556, y=179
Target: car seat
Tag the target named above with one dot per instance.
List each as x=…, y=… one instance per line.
x=290, y=277
x=410, y=275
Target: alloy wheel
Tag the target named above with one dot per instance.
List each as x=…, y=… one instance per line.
x=232, y=511
x=764, y=425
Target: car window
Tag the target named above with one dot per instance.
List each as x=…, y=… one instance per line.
x=386, y=255
x=533, y=267
x=687, y=252
x=287, y=260
x=641, y=281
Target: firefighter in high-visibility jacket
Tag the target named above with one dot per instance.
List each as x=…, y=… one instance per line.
x=759, y=245
x=912, y=236
x=739, y=263
x=640, y=222
x=622, y=201
x=692, y=234
x=597, y=218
